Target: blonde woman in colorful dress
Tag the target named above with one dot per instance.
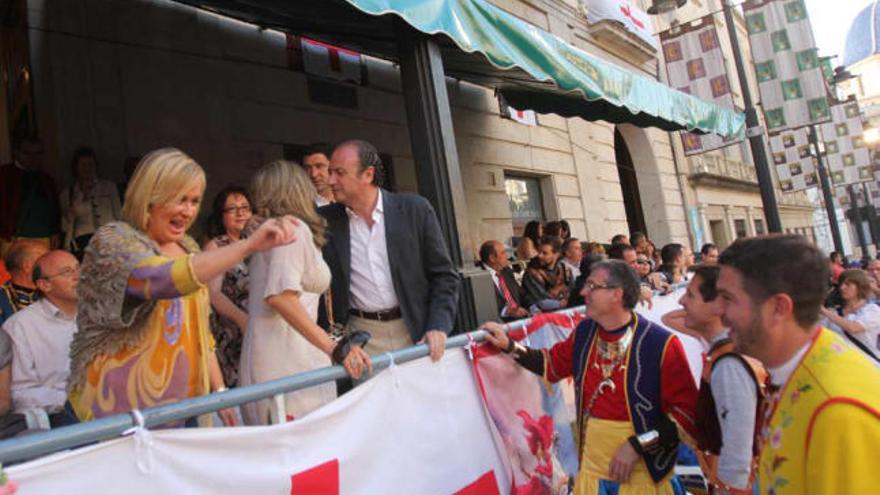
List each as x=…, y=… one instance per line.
x=286, y=284
x=143, y=337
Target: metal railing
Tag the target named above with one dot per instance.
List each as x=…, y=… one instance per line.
x=39, y=444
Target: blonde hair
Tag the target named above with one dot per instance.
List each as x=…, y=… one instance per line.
x=283, y=188
x=161, y=177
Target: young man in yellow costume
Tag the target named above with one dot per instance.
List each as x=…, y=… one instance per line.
x=821, y=428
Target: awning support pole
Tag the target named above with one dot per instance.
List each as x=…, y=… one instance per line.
x=432, y=137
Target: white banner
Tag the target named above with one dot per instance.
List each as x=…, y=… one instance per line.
x=418, y=428
x=625, y=12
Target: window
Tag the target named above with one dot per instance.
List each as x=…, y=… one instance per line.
x=759, y=226
x=740, y=226
x=525, y=199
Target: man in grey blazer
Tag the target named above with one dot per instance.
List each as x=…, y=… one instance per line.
x=392, y=274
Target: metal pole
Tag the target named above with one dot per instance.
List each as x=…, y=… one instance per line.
x=754, y=131
x=825, y=184
x=857, y=219
x=872, y=216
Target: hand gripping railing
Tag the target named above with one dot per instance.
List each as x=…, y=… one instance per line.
x=38, y=444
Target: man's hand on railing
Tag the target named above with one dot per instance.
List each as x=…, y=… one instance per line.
x=436, y=341
x=496, y=335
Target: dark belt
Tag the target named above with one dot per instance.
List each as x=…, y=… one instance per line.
x=386, y=315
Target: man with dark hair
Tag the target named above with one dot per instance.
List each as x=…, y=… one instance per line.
x=508, y=292
x=639, y=241
x=620, y=239
x=627, y=254
x=547, y=282
x=392, y=274
x=822, y=424
x=316, y=160
x=28, y=198
x=731, y=391
x=709, y=254
x=20, y=291
x=635, y=392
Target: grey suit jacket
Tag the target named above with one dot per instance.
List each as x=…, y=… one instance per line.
x=425, y=281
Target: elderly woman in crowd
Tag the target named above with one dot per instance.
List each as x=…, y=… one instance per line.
x=87, y=204
x=861, y=319
x=229, y=293
x=286, y=284
x=143, y=337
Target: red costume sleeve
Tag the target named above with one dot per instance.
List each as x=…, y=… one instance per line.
x=558, y=360
x=678, y=392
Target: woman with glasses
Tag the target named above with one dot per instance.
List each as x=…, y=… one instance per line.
x=286, y=284
x=229, y=293
x=87, y=204
x=142, y=316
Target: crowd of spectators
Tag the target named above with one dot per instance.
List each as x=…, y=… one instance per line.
x=312, y=264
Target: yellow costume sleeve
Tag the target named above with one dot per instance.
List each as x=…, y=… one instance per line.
x=842, y=450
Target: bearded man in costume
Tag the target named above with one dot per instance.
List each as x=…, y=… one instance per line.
x=635, y=392
x=821, y=427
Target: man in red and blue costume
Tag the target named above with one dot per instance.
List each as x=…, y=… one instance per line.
x=635, y=390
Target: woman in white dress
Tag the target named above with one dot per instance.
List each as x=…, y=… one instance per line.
x=286, y=284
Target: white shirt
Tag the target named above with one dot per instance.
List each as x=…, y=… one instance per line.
x=736, y=397
x=574, y=269
x=41, y=335
x=371, y=286
x=869, y=317
x=780, y=375
x=321, y=201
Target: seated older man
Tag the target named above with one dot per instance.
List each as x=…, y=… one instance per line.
x=41, y=335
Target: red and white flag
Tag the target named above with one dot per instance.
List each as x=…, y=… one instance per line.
x=526, y=117
x=325, y=60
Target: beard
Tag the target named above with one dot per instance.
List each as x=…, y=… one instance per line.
x=747, y=339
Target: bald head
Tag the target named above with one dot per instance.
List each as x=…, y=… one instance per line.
x=56, y=275
x=20, y=260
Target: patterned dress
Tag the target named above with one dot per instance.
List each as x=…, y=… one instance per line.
x=143, y=336
x=226, y=333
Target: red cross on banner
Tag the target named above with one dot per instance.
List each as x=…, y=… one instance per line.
x=324, y=60
x=322, y=479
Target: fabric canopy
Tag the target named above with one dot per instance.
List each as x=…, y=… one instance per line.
x=484, y=44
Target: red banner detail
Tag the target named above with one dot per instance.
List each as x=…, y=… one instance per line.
x=485, y=485
x=322, y=479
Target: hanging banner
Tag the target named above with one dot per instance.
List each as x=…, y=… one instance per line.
x=846, y=155
x=784, y=53
x=695, y=65
x=625, y=12
x=324, y=60
x=419, y=427
x=796, y=167
x=526, y=117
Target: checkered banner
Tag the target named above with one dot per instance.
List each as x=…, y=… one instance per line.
x=790, y=80
x=846, y=156
x=695, y=65
x=796, y=167
x=874, y=185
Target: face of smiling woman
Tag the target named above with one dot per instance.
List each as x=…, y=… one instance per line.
x=168, y=223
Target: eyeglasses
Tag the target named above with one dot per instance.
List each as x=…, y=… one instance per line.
x=643, y=262
x=237, y=209
x=594, y=286
x=70, y=271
